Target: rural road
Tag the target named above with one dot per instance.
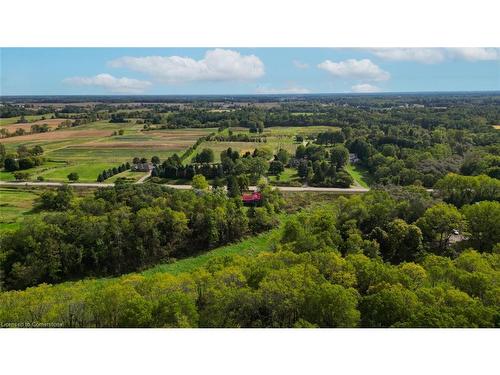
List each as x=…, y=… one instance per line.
x=354, y=190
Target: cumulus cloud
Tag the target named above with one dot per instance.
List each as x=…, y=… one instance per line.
x=365, y=88
x=287, y=90
x=217, y=65
x=356, y=69
x=108, y=82
x=475, y=54
x=436, y=55
x=423, y=55
x=300, y=65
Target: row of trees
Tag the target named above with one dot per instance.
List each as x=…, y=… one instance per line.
x=107, y=173
x=239, y=137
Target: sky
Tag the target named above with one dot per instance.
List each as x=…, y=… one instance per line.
x=232, y=71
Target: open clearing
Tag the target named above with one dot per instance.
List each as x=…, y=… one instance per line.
x=247, y=247
x=358, y=174
x=289, y=175
x=14, y=205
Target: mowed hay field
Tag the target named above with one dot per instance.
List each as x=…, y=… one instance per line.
x=91, y=148
x=129, y=175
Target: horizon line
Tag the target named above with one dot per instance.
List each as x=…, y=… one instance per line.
x=262, y=95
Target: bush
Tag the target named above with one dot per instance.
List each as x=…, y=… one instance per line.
x=73, y=176
x=21, y=176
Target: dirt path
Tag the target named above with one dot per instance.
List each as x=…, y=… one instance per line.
x=143, y=178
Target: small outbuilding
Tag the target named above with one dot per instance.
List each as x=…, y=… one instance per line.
x=251, y=198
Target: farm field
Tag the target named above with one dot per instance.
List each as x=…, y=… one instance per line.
x=91, y=148
x=51, y=123
x=13, y=120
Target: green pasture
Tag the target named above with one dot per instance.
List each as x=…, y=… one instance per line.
x=129, y=175
x=87, y=172
x=14, y=205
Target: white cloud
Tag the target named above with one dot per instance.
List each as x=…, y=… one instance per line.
x=436, y=55
x=300, y=65
x=286, y=90
x=217, y=65
x=365, y=88
x=108, y=82
x=423, y=55
x=357, y=69
x=475, y=54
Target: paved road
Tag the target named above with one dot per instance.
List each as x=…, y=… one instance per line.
x=354, y=190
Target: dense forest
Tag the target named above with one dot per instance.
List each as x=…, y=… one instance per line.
x=124, y=229
x=383, y=259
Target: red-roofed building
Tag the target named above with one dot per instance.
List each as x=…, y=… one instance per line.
x=251, y=198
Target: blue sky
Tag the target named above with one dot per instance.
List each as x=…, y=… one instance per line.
x=66, y=71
